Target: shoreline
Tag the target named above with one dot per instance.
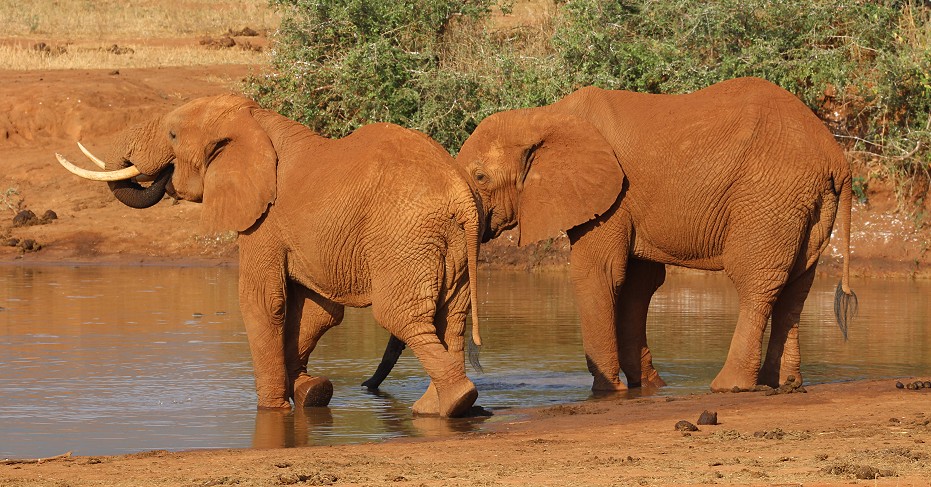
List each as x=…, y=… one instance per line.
x=835, y=434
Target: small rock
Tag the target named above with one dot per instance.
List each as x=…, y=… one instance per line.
x=25, y=218
x=115, y=72
x=911, y=386
x=29, y=245
x=928, y=384
x=685, y=426
x=49, y=215
x=899, y=385
x=708, y=417
x=11, y=242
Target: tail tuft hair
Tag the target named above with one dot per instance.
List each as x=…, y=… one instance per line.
x=474, y=351
x=845, y=308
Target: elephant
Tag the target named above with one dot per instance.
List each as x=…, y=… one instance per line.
x=740, y=176
x=382, y=217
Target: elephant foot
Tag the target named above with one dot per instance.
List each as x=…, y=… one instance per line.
x=652, y=379
x=603, y=384
x=428, y=404
x=768, y=376
x=731, y=380
x=310, y=391
x=273, y=405
x=447, y=401
x=773, y=377
x=456, y=399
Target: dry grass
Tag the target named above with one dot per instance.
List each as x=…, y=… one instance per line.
x=122, y=19
x=79, y=33
x=19, y=57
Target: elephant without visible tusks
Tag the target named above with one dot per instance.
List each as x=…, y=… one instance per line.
x=382, y=217
x=740, y=176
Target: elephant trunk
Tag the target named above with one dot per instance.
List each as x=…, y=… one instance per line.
x=134, y=195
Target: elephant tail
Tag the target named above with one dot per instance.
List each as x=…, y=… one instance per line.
x=845, y=300
x=472, y=223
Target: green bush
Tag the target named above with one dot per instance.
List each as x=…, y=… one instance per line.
x=340, y=64
x=440, y=66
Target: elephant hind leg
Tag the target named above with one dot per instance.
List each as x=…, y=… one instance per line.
x=410, y=313
x=757, y=291
x=308, y=317
x=454, y=392
x=783, y=356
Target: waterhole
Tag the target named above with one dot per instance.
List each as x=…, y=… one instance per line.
x=108, y=360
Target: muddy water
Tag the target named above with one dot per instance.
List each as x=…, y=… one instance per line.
x=103, y=360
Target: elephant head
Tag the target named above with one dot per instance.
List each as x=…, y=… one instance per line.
x=541, y=170
x=211, y=150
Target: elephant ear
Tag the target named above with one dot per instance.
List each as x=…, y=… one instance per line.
x=572, y=176
x=241, y=180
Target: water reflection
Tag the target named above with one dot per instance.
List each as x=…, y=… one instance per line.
x=104, y=360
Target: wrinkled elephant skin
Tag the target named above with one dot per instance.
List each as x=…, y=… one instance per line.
x=740, y=177
x=382, y=217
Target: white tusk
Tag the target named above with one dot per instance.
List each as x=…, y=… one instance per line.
x=118, y=175
x=100, y=163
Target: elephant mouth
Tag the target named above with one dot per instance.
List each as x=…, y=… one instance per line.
x=489, y=233
x=132, y=194
x=124, y=182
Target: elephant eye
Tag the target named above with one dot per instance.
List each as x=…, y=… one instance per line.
x=172, y=135
x=481, y=177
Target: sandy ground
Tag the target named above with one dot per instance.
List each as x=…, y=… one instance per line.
x=831, y=435
x=867, y=433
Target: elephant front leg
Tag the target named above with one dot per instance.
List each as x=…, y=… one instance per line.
x=595, y=296
x=262, y=303
x=641, y=282
x=598, y=267
x=309, y=316
x=264, y=320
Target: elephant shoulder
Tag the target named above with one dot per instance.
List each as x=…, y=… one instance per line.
x=580, y=101
x=389, y=136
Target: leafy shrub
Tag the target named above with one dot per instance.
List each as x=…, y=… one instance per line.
x=440, y=66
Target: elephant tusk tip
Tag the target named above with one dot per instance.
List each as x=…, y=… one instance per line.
x=96, y=160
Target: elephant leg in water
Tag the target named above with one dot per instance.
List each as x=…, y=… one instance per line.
x=308, y=317
x=642, y=280
x=396, y=346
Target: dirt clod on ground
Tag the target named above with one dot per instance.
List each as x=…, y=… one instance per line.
x=708, y=418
